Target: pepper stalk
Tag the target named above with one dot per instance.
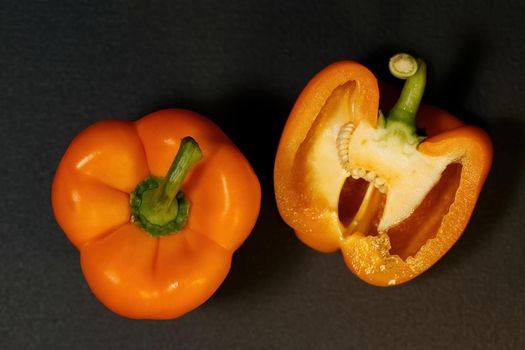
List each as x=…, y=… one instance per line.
x=158, y=204
x=402, y=117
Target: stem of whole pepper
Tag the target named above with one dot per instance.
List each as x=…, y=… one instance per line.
x=189, y=153
x=403, y=114
x=160, y=206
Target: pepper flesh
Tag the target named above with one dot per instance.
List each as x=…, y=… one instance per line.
x=312, y=186
x=130, y=271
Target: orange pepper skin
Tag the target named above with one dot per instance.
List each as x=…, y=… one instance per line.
x=131, y=272
x=421, y=240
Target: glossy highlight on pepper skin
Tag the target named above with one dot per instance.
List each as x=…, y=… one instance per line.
x=313, y=171
x=131, y=272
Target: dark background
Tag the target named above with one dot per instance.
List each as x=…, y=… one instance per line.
x=67, y=64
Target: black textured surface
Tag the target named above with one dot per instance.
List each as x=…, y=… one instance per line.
x=67, y=64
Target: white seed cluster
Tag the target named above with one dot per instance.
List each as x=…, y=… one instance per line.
x=369, y=176
x=343, y=140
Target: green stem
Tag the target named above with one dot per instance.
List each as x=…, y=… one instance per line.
x=189, y=153
x=158, y=205
x=414, y=71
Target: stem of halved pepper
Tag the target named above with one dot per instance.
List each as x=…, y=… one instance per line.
x=402, y=117
x=158, y=205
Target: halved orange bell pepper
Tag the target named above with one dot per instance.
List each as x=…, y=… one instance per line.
x=152, y=246
x=347, y=178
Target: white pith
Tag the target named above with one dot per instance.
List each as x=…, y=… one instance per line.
x=395, y=167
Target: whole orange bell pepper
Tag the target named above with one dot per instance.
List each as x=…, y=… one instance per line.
x=346, y=177
x=154, y=245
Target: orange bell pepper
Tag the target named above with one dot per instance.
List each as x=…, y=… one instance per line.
x=347, y=178
x=153, y=246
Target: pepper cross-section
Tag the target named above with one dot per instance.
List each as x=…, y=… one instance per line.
x=347, y=177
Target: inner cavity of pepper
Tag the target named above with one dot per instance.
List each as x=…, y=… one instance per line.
x=361, y=206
